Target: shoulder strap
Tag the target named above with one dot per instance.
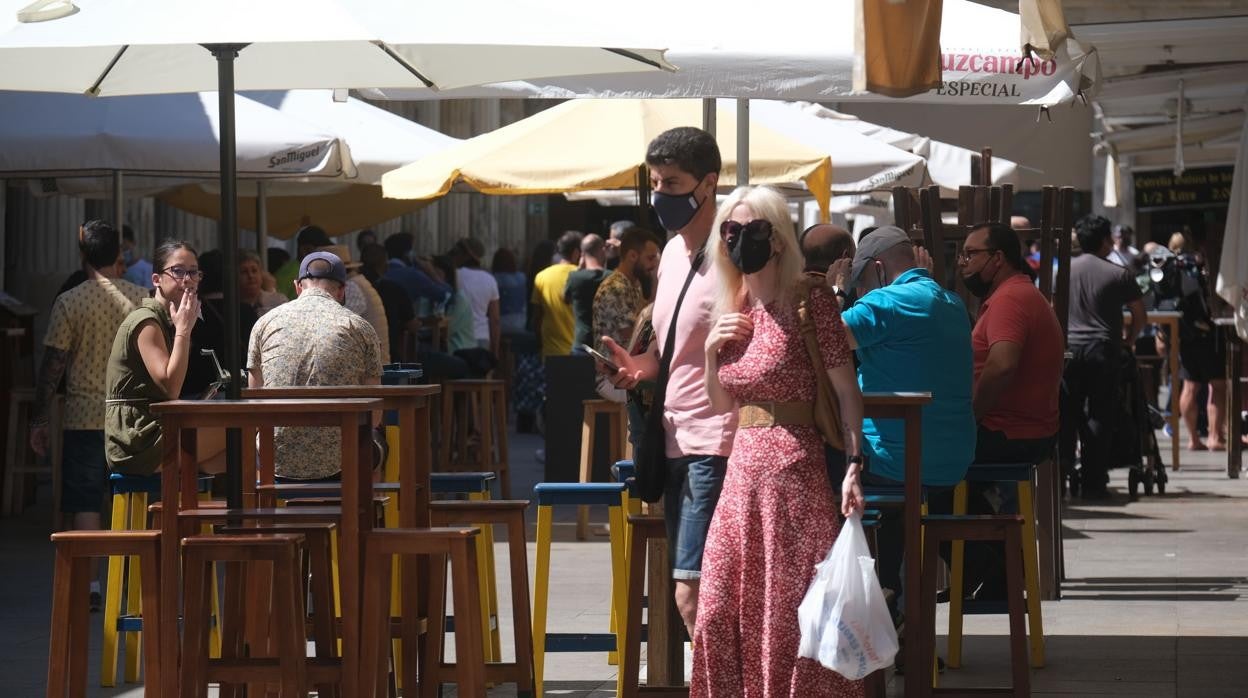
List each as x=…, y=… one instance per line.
x=669, y=344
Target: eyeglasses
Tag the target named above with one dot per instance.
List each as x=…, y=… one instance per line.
x=182, y=273
x=757, y=229
x=968, y=253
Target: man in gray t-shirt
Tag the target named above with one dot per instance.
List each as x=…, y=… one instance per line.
x=1099, y=290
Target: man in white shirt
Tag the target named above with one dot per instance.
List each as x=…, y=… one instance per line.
x=1123, y=254
x=480, y=290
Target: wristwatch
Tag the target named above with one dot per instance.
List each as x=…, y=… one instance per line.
x=855, y=459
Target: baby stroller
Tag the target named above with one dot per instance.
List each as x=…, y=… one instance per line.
x=1135, y=442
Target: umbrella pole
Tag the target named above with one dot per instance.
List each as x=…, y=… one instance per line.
x=119, y=201
x=262, y=224
x=225, y=54
x=743, y=142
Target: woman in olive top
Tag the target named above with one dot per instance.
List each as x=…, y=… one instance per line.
x=148, y=364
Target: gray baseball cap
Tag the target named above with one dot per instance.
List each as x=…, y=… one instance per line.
x=880, y=240
x=330, y=267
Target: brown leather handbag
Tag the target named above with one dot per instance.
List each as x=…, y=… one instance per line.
x=827, y=409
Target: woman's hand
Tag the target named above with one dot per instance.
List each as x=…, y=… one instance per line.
x=729, y=327
x=922, y=258
x=185, y=313
x=851, y=491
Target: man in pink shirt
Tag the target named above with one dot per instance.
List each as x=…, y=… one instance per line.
x=684, y=172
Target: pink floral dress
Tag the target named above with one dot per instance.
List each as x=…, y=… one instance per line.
x=776, y=519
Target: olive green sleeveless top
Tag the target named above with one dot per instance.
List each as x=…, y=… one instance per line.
x=132, y=434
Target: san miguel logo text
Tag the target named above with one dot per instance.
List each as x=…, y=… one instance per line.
x=294, y=157
x=970, y=66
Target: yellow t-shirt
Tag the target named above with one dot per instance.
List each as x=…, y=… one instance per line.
x=557, y=321
x=84, y=322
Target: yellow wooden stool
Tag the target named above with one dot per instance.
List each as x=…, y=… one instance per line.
x=1021, y=475
x=130, y=495
x=549, y=495
x=476, y=487
x=617, y=417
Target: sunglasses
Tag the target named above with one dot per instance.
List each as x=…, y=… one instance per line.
x=757, y=229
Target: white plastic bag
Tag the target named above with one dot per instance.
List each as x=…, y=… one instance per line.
x=844, y=619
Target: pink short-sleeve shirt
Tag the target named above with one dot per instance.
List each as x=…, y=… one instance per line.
x=692, y=426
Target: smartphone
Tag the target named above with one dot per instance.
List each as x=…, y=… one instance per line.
x=600, y=357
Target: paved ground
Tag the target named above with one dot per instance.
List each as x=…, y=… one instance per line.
x=1155, y=603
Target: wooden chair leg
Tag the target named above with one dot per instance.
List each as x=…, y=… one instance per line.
x=151, y=610
x=1031, y=573
x=1018, y=628
x=504, y=465
x=232, y=621
x=323, y=631
x=925, y=631
x=292, y=645
x=431, y=656
x=957, y=582
x=134, y=586
x=541, y=593
x=79, y=620
x=587, y=469
x=375, y=632
x=469, y=658
x=63, y=591
x=195, y=631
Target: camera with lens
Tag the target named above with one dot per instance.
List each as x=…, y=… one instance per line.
x=1170, y=277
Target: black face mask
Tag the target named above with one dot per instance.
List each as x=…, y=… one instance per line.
x=676, y=210
x=976, y=285
x=749, y=244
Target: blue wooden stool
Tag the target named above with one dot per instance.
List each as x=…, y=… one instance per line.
x=130, y=494
x=552, y=494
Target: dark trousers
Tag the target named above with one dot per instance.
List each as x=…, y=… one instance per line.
x=1090, y=402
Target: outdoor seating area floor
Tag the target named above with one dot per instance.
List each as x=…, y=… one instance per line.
x=1148, y=605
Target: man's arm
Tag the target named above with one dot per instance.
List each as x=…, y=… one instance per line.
x=254, y=378
x=51, y=370
x=999, y=370
x=1138, y=319
x=849, y=335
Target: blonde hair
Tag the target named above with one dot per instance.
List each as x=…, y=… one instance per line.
x=770, y=205
x=1178, y=243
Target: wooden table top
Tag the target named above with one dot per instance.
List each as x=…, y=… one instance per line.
x=323, y=392
x=255, y=407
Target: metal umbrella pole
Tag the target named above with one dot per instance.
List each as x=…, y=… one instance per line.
x=228, y=230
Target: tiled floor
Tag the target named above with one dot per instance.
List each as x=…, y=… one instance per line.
x=1154, y=602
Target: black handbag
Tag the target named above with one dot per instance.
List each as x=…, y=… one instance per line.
x=650, y=458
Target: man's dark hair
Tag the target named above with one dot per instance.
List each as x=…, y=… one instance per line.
x=398, y=245
x=374, y=258
x=636, y=238
x=1002, y=237
x=690, y=149
x=212, y=264
x=127, y=233
x=100, y=244
x=821, y=256
x=569, y=244
x=1092, y=231
x=278, y=257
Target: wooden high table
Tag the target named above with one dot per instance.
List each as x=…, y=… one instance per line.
x=908, y=407
x=1234, y=397
x=178, y=486
x=412, y=403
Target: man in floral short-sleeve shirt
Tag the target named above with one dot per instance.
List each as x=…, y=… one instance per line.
x=313, y=340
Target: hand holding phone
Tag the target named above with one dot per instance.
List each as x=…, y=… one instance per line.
x=600, y=358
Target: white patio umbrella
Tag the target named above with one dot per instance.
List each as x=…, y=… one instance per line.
x=107, y=47
x=81, y=146
x=808, y=54
x=379, y=141
x=1232, y=283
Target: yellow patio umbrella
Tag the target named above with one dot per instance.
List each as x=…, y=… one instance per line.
x=588, y=144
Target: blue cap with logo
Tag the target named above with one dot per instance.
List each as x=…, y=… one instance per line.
x=323, y=265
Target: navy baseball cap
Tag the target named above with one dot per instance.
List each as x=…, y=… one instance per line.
x=323, y=265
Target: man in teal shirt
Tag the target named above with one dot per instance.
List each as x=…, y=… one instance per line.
x=910, y=335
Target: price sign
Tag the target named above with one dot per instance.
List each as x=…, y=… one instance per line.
x=1201, y=186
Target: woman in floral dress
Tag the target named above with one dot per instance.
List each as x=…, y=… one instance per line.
x=777, y=516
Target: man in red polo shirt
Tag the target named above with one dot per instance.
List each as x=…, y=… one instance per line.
x=1018, y=347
